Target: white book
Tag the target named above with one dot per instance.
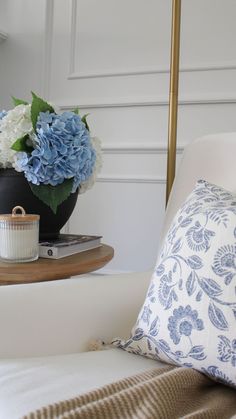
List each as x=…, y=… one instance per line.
x=67, y=245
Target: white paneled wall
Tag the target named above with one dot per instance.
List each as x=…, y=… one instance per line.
x=111, y=58
x=22, y=54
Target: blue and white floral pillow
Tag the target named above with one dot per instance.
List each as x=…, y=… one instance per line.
x=189, y=314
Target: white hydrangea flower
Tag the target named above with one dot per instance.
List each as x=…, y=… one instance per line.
x=84, y=186
x=14, y=125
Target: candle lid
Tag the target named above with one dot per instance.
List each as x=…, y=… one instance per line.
x=16, y=217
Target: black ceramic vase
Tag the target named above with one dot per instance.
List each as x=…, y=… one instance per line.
x=15, y=190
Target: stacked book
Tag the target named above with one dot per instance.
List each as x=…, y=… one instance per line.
x=67, y=245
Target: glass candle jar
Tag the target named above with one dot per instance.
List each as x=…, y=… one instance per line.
x=19, y=236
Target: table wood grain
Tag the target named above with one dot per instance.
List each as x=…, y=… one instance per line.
x=52, y=269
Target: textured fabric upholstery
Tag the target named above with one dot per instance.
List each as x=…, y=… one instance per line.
x=211, y=158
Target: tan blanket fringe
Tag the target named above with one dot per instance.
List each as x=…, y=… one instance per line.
x=163, y=393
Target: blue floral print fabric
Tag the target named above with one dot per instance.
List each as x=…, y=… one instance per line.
x=189, y=314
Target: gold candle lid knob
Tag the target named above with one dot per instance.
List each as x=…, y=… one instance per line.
x=15, y=209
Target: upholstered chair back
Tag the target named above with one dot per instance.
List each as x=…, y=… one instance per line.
x=211, y=158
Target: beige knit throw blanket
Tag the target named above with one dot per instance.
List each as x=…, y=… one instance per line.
x=163, y=393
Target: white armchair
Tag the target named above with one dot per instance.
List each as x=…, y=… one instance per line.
x=44, y=326
x=61, y=317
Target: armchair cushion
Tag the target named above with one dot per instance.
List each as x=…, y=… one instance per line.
x=189, y=314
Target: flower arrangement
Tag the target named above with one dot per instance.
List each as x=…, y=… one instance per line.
x=54, y=150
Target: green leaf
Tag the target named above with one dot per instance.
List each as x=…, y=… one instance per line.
x=17, y=102
x=53, y=195
x=76, y=111
x=84, y=119
x=21, y=144
x=38, y=105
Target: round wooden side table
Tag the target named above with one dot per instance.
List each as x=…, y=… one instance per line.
x=52, y=269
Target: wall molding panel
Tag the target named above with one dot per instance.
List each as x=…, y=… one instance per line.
x=73, y=36
x=131, y=179
x=3, y=36
x=129, y=148
x=223, y=66
x=48, y=36
x=140, y=71
x=126, y=102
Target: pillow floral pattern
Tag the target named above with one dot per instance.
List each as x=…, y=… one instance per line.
x=189, y=314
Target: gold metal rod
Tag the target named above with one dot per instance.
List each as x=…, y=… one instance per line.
x=173, y=95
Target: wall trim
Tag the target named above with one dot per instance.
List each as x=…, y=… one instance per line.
x=132, y=148
x=73, y=36
x=224, y=66
x=47, y=54
x=126, y=102
x=131, y=179
x=3, y=36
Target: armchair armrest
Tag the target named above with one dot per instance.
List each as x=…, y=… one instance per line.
x=61, y=317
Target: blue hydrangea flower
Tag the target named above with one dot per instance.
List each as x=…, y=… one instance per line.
x=198, y=237
x=62, y=150
x=224, y=263
x=2, y=114
x=183, y=321
x=227, y=350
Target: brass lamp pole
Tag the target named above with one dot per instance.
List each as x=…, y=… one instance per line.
x=173, y=95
